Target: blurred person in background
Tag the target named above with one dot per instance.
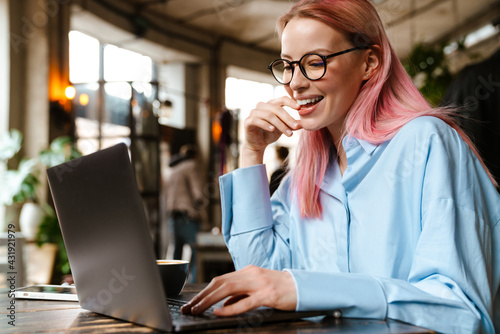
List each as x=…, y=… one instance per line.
x=185, y=202
x=278, y=175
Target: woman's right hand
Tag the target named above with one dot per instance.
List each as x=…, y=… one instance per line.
x=265, y=124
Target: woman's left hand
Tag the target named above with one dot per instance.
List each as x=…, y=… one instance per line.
x=247, y=289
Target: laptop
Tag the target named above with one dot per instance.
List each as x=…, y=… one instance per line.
x=111, y=252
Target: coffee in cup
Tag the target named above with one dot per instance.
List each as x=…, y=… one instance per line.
x=173, y=275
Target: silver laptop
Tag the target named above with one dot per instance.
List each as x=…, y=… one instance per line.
x=111, y=252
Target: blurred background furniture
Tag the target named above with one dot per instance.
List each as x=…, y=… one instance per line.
x=213, y=258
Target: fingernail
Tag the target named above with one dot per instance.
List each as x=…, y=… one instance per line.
x=271, y=127
x=289, y=132
x=296, y=124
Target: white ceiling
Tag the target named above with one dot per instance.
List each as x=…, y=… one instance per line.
x=252, y=22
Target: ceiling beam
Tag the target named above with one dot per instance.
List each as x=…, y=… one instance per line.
x=180, y=37
x=212, y=10
x=485, y=16
x=411, y=14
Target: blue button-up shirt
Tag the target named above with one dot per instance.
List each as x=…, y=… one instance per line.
x=410, y=231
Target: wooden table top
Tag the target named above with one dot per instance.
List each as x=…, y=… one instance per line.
x=42, y=316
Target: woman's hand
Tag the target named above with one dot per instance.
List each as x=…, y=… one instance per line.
x=265, y=124
x=247, y=289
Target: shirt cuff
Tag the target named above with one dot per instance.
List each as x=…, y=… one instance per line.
x=245, y=200
x=356, y=295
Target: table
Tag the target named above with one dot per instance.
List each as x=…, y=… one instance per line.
x=67, y=317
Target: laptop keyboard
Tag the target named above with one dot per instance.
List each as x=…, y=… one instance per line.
x=175, y=311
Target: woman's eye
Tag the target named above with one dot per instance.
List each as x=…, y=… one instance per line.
x=318, y=63
x=315, y=64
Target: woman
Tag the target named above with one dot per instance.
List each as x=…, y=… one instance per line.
x=388, y=213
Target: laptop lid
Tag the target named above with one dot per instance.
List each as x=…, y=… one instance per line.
x=107, y=239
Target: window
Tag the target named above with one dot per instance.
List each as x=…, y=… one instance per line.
x=115, y=102
x=125, y=65
x=105, y=102
x=237, y=98
x=83, y=58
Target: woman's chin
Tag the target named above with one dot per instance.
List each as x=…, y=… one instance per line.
x=309, y=124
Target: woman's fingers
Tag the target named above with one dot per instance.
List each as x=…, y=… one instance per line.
x=242, y=305
x=268, y=121
x=278, y=117
x=234, y=299
x=218, y=289
x=286, y=101
x=239, y=302
x=260, y=123
x=265, y=125
x=246, y=289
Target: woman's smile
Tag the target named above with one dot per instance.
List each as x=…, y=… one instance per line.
x=307, y=106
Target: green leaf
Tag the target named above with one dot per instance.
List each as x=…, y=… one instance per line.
x=429, y=62
x=61, y=149
x=50, y=232
x=10, y=144
x=20, y=185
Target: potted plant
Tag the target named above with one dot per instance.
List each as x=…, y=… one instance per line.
x=427, y=65
x=19, y=186
x=62, y=149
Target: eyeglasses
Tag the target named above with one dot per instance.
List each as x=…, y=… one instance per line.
x=312, y=65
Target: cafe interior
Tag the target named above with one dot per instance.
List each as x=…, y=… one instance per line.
x=78, y=76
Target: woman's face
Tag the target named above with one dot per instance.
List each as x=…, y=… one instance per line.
x=333, y=94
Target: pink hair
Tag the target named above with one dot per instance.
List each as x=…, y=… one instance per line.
x=384, y=104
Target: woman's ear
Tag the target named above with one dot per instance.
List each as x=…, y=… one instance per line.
x=372, y=61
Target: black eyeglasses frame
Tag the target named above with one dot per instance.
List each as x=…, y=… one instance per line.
x=298, y=62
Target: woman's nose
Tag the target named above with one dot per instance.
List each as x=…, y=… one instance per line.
x=298, y=79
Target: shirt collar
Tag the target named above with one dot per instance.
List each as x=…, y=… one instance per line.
x=350, y=142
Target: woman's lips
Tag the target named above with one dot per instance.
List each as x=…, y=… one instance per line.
x=308, y=108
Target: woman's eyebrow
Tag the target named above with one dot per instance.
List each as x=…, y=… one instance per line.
x=320, y=51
